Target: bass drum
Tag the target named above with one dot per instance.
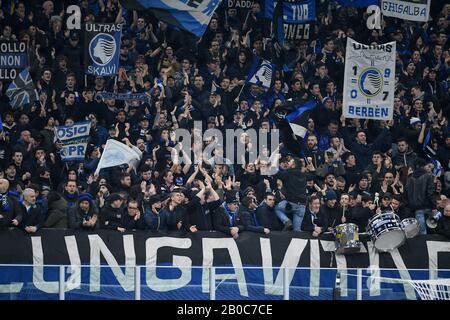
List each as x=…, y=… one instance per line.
x=386, y=231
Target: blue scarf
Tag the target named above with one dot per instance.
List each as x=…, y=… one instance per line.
x=231, y=214
x=5, y=203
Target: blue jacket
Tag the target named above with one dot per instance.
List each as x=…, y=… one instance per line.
x=251, y=222
x=364, y=152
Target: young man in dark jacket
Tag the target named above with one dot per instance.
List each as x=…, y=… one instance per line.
x=84, y=215
x=421, y=194
x=266, y=213
x=112, y=214
x=247, y=211
x=226, y=218
x=294, y=180
x=363, y=212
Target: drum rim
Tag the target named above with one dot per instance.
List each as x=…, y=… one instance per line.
x=394, y=247
x=383, y=214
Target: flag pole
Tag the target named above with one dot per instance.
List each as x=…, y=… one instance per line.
x=239, y=95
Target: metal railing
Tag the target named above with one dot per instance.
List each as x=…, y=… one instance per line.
x=213, y=282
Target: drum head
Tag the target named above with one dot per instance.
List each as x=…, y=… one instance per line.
x=411, y=227
x=390, y=240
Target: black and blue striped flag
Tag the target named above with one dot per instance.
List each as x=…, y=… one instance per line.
x=190, y=15
x=298, y=119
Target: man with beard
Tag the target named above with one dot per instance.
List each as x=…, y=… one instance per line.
x=247, y=211
x=399, y=207
x=405, y=157
x=152, y=208
x=312, y=150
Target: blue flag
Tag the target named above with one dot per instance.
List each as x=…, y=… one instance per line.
x=358, y=3
x=21, y=91
x=261, y=73
x=189, y=15
x=298, y=119
x=102, y=48
x=426, y=141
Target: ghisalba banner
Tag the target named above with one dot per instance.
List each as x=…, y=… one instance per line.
x=13, y=59
x=415, y=10
x=369, y=80
x=74, y=139
x=102, y=264
x=102, y=48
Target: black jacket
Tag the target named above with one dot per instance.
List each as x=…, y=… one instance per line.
x=361, y=217
x=250, y=220
x=14, y=211
x=294, y=182
x=268, y=218
x=420, y=190
x=76, y=216
x=129, y=223
x=310, y=221
x=222, y=221
x=405, y=159
x=111, y=218
x=443, y=226
x=332, y=215
x=201, y=215
x=33, y=217
x=57, y=214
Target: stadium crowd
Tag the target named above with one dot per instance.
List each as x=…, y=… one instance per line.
x=330, y=177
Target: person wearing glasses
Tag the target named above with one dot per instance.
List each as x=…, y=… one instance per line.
x=133, y=219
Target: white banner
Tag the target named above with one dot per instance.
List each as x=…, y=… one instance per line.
x=369, y=81
x=77, y=130
x=117, y=153
x=74, y=139
x=415, y=10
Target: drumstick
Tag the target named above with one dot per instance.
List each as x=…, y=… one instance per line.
x=343, y=212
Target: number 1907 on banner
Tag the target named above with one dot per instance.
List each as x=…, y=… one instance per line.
x=369, y=81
